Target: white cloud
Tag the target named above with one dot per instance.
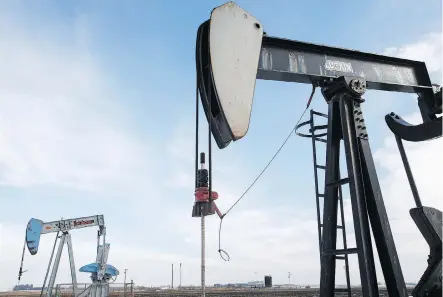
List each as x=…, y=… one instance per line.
x=58, y=122
x=428, y=49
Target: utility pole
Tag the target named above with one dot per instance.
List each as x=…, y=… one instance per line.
x=289, y=277
x=172, y=280
x=180, y=275
x=132, y=288
x=124, y=284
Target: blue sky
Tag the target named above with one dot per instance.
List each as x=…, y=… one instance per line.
x=97, y=106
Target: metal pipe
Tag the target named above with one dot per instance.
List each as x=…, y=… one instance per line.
x=55, y=267
x=202, y=166
x=49, y=264
x=132, y=288
x=72, y=264
x=98, y=240
x=125, y=285
x=104, y=236
x=203, y=253
x=408, y=170
x=220, y=215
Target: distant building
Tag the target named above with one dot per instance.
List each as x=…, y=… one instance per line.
x=23, y=287
x=254, y=284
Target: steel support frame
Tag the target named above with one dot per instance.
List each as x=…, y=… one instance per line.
x=55, y=266
x=64, y=238
x=345, y=120
x=72, y=264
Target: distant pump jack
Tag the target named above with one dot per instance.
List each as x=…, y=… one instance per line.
x=101, y=273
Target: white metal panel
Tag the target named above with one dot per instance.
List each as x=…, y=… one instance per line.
x=102, y=259
x=70, y=224
x=106, y=253
x=235, y=43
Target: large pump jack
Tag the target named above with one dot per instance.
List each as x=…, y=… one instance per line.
x=101, y=272
x=232, y=51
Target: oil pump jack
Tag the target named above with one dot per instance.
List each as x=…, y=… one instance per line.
x=101, y=272
x=232, y=51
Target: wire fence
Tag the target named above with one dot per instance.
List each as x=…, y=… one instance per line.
x=114, y=289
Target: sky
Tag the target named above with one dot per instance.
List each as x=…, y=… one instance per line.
x=97, y=117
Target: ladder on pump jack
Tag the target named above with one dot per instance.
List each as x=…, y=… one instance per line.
x=322, y=138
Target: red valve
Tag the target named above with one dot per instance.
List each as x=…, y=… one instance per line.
x=202, y=195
